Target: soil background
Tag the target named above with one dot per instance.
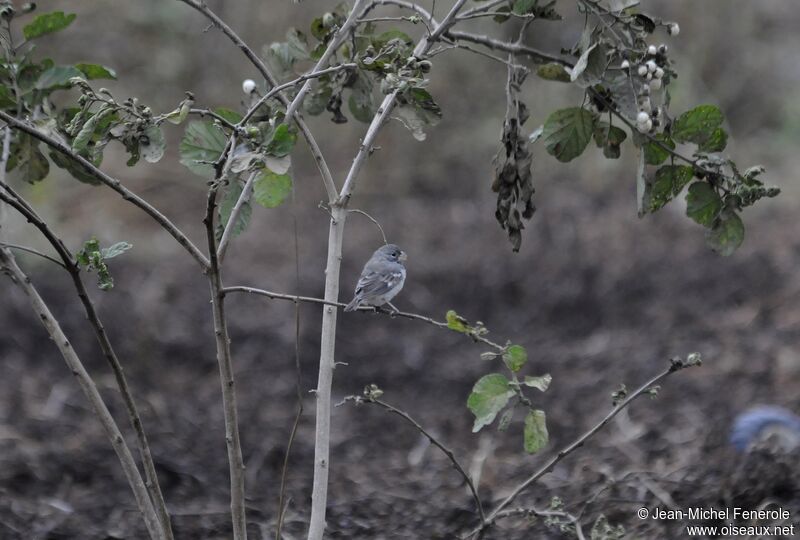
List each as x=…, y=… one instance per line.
x=597, y=296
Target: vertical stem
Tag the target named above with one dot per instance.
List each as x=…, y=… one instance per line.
x=225, y=361
x=9, y=264
x=319, y=496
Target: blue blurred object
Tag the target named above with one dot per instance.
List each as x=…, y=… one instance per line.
x=766, y=422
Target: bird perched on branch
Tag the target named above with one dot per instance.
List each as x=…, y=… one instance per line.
x=381, y=279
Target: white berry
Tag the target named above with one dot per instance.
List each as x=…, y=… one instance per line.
x=651, y=66
x=651, y=50
x=655, y=84
x=673, y=29
x=659, y=73
x=642, y=71
x=642, y=117
x=248, y=85
x=625, y=64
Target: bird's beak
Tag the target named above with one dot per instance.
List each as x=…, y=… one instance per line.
x=402, y=256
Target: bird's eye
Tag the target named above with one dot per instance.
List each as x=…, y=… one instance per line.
x=395, y=254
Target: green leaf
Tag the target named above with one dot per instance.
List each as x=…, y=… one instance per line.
x=202, y=141
x=489, y=395
x=540, y=383
x=25, y=156
x=81, y=141
x=593, y=67
x=361, y=101
x=47, y=23
x=6, y=98
x=716, y=142
x=553, y=71
x=231, y=116
x=698, y=125
x=282, y=141
x=522, y=7
x=75, y=169
x=96, y=71
x=536, y=436
x=115, y=250
x=153, y=144
x=226, y=207
x=515, y=357
x=567, y=132
x=667, y=184
x=609, y=138
x=381, y=40
x=703, y=204
x=655, y=154
x=727, y=233
x=505, y=419
x=57, y=77
x=93, y=259
x=270, y=189
x=456, y=322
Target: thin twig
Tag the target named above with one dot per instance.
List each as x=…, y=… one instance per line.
x=546, y=514
x=230, y=226
x=11, y=197
x=367, y=309
x=282, y=506
x=226, y=373
x=113, y=183
x=313, y=74
x=33, y=251
x=373, y=220
x=327, y=177
x=445, y=450
x=675, y=365
x=89, y=388
x=335, y=42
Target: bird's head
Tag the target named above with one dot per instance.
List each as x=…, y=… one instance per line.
x=391, y=252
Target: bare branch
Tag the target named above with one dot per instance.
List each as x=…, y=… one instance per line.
x=9, y=195
x=33, y=251
x=509, y=47
x=89, y=388
x=445, y=450
x=373, y=220
x=363, y=309
x=546, y=514
x=226, y=373
x=244, y=197
x=113, y=183
x=676, y=364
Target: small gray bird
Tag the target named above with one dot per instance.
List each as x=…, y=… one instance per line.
x=381, y=279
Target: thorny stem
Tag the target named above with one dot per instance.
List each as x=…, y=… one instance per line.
x=674, y=366
x=143, y=501
x=445, y=450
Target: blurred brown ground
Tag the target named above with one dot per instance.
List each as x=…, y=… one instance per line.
x=598, y=297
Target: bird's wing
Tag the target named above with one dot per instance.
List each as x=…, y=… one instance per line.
x=374, y=282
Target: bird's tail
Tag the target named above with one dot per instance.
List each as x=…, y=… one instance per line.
x=353, y=305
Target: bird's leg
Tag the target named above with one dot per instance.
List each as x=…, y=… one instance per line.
x=396, y=311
